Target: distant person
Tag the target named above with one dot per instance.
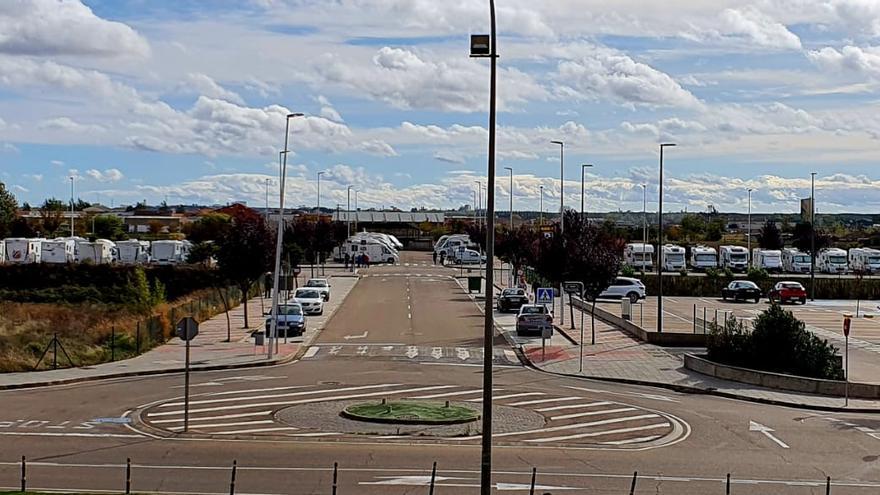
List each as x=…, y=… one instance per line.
x=434, y=257
x=366, y=260
x=443, y=258
x=347, y=259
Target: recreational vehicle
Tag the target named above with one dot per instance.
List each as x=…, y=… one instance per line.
x=100, y=252
x=703, y=258
x=767, y=259
x=795, y=261
x=377, y=251
x=133, y=252
x=865, y=260
x=22, y=251
x=734, y=257
x=672, y=258
x=167, y=252
x=639, y=255
x=832, y=260
x=60, y=250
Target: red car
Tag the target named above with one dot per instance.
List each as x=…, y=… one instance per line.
x=788, y=292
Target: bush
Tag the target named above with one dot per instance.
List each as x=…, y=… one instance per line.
x=712, y=273
x=778, y=343
x=628, y=271
x=758, y=275
x=683, y=272
x=728, y=273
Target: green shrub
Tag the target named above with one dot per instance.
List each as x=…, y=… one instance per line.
x=758, y=275
x=728, y=273
x=713, y=273
x=778, y=343
x=628, y=271
x=683, y=272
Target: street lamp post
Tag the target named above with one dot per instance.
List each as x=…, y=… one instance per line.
x=479, y=48
x=348, y=214
x=475, y=207
x=319, y=190
x=72, y=203
x=660, y=245
x=561, y=185
x=541, y=207
x=273, y=329
x=267, y=200
x=812, y=236
x=584, y=168
x=479, y=202
x=510, y=169
x=644, y=222
x=749, y=228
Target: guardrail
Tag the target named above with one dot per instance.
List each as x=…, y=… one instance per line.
x=666, y=339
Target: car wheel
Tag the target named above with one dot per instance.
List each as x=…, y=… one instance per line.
x=321, y=312
x=723, y=296
x=757, y=300
x=803, y=300
x=633, y=297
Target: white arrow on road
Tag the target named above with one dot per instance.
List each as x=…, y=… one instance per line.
x=768, y=432
x=463, y=354
x=361, y=336
x=437, y=352
x=412, y=351
x=362, y=350
x=335, y=350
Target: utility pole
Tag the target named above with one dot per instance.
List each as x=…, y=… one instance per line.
x=509, y=169
x=749, y=228
x=812, y=236
x=644, y=223
x=319, y=191
x=348, y=214
x=541, y=208
x=561, y=185
x=72, y=203
x=660, y=245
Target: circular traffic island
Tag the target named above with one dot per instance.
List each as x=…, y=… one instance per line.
x=410, y=413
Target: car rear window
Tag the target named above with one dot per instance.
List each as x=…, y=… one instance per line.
x=792, y=286
x=534, y=310
x=513, y=292
x=308, y=294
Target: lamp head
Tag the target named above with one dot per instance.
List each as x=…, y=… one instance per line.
x=296, y=114
x=557, y=142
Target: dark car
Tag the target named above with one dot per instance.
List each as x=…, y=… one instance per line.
x=511, y=299
x=788, y=292
x=741, y=290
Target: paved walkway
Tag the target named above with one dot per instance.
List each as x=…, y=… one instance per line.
x=209, y=350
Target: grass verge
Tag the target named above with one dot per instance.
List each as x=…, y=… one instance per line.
x=411, y=412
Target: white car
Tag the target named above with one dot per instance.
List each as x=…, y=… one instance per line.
x=311, y=300
x=322, y=284
x=469, y=256
x=630, y=288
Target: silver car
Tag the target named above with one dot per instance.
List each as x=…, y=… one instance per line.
x=625, y=287
x=533, y=318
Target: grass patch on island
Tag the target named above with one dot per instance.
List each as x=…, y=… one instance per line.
x=411, y=412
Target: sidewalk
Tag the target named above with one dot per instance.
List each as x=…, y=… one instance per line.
x=616, y=356
x=210, y=350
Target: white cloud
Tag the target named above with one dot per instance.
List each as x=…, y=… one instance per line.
x=108, y=175
x=34, y=177
x=57, y=163
x=202, y=84
x=448, y=157
x=20, y=188
x=862, y=62
x=9, y=148
x=758, y=28
x=52, y=27
x=65, y=124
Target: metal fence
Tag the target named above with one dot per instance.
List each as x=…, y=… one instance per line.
x=708, y=320
x=622, y=484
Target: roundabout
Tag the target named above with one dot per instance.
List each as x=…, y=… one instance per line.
x=410, y=413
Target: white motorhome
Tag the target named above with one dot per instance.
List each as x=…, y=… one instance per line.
x=672, y=258
x=734, y=257
x=2, y=252
x=60, y=250
x=452, y=244
x=768, y=259
x=865, y=260
x=167, y=252
x=133, y=252
x=22, y=251
x=639, y=255
x=100, y=252
x=703, y=258
x=832, y=260
x=377, y=251
x=795, y=261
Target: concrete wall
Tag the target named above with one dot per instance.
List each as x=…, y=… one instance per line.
x=780, y=381
x=666, y=339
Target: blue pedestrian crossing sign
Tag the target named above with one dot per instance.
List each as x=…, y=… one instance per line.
x=545, y=295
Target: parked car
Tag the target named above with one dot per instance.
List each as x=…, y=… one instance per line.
x=512, y=299
x=788, y=291
x=311, y=300
x=291, y=321
x=741, y=290
x=630, y=288
x=469, y=256
x=322, y=285
x=533, y=318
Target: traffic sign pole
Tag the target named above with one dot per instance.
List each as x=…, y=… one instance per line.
x=187, y=329
x=186, y=391
x=847, y=324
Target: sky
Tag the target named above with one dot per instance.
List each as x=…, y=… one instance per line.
x=186, y=100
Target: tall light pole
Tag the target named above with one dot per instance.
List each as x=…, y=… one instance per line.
x=72, y=202
x=644, y=222
x=319, y=190
x=561, y=185
x=348, y=214
x=584, y=168
x=267, y=200
x=273, y=329
x=541, y=207
x=475, y=207
x=510, y=169
x=660, y=245
x=479, y=201
x=812, y=236
x=749, y=228
x=483, y=46
x=355, y=211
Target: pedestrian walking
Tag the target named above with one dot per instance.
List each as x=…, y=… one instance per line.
x=366, y=260
x=434, y=257
x=443, y=258
x=347, y=260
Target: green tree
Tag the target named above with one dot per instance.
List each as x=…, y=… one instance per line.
x=209, y=227
x=770, y=237
x=52, y=215
x=109, y=227
x=8, y=209
x=202, y=252
x=693, y=227
x=244, y=252
x=715, y=230
x=801, y=238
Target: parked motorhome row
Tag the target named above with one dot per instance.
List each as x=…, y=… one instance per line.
x=379, y=248
x=63, y=250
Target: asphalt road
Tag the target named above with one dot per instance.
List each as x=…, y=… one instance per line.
x=406, y=332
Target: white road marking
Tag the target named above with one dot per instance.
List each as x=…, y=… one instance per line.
x=437, y=352
x=311, y=352
x=304, y=401
x=511, y=356
x=412, y=351
x=317, y=434
x=542, y=401
x=633, y=440
x=462, y=353
x=250, y=390
x=258, y=430
x=579, y=425
x=362, y=350
x=359, y=336
x=509, y=396
x=60, y=434
x=598, y=433
x=628, y=394
x=273, y=396
x=335, y=350
x=450, y=394
x=574, y=406
x=768, y=432
x=222, y=425
x=212, y=418
x=593, y=413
